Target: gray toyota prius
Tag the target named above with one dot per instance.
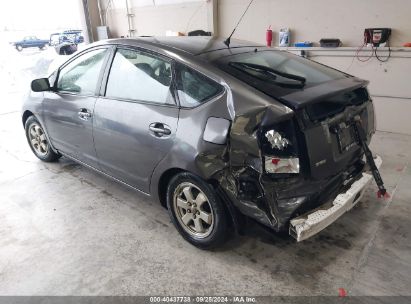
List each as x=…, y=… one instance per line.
x=217, y=133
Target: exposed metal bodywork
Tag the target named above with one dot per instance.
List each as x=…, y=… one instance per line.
x=220, y=140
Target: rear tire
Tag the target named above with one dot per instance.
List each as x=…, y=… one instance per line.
x=38, y=141
x=196, y=211
x=63, y=51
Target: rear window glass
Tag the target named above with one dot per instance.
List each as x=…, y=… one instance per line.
x=277, y=73
x=194, y=88
x=286, y=63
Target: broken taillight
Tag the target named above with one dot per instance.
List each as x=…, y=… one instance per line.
x=276, y=140
x=279, y=147
x=277, y=165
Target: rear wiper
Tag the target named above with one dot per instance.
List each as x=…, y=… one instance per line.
x=267, y=70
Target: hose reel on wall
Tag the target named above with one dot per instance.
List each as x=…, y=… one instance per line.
x=376, y=37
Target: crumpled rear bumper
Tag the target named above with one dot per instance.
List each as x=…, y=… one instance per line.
x=309, y=224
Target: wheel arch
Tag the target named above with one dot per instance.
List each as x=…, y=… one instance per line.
x=166, y=177
x=26, y=116
x=235, y=217
x=163, y=182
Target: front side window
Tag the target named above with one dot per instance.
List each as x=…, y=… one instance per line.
x=140, y=76
x=194, y=88
x=82, y=74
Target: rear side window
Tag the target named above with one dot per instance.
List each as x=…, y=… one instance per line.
x=194, y=88
x=140, y=76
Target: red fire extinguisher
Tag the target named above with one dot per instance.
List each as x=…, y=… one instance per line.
x=269, y=36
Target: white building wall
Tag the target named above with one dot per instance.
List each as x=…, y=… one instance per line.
x=155, y=18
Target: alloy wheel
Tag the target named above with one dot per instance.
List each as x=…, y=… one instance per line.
x=193, y=210
x=38, y=140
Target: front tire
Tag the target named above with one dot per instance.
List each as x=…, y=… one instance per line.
x=196, y=211
x=38, y=141
x=19, y=48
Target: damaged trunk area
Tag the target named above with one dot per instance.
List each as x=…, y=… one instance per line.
x=285, y=164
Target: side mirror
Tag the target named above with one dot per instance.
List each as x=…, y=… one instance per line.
x=40, y=85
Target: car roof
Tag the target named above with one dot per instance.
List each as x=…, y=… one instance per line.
x=194, y=45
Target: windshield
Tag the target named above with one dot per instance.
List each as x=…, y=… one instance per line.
x=277, y=73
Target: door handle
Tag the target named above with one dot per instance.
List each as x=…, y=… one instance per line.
x=84, y=114
x=159, y=129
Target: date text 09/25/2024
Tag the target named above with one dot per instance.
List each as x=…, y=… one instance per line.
x=203, y=299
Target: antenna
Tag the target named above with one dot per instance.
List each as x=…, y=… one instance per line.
x=228, y=40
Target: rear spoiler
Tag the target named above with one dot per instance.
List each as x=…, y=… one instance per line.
x=320, y=92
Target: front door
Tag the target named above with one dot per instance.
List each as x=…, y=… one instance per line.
x=136, y=121
x=69, y=111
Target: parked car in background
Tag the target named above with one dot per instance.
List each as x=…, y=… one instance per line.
x=66, y=42
x=29, y=42
x=217, y=134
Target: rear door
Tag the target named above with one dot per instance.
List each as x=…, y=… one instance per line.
x=68, y=110
x=136, y=120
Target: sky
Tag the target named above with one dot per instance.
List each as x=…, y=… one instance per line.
x=34, y=15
